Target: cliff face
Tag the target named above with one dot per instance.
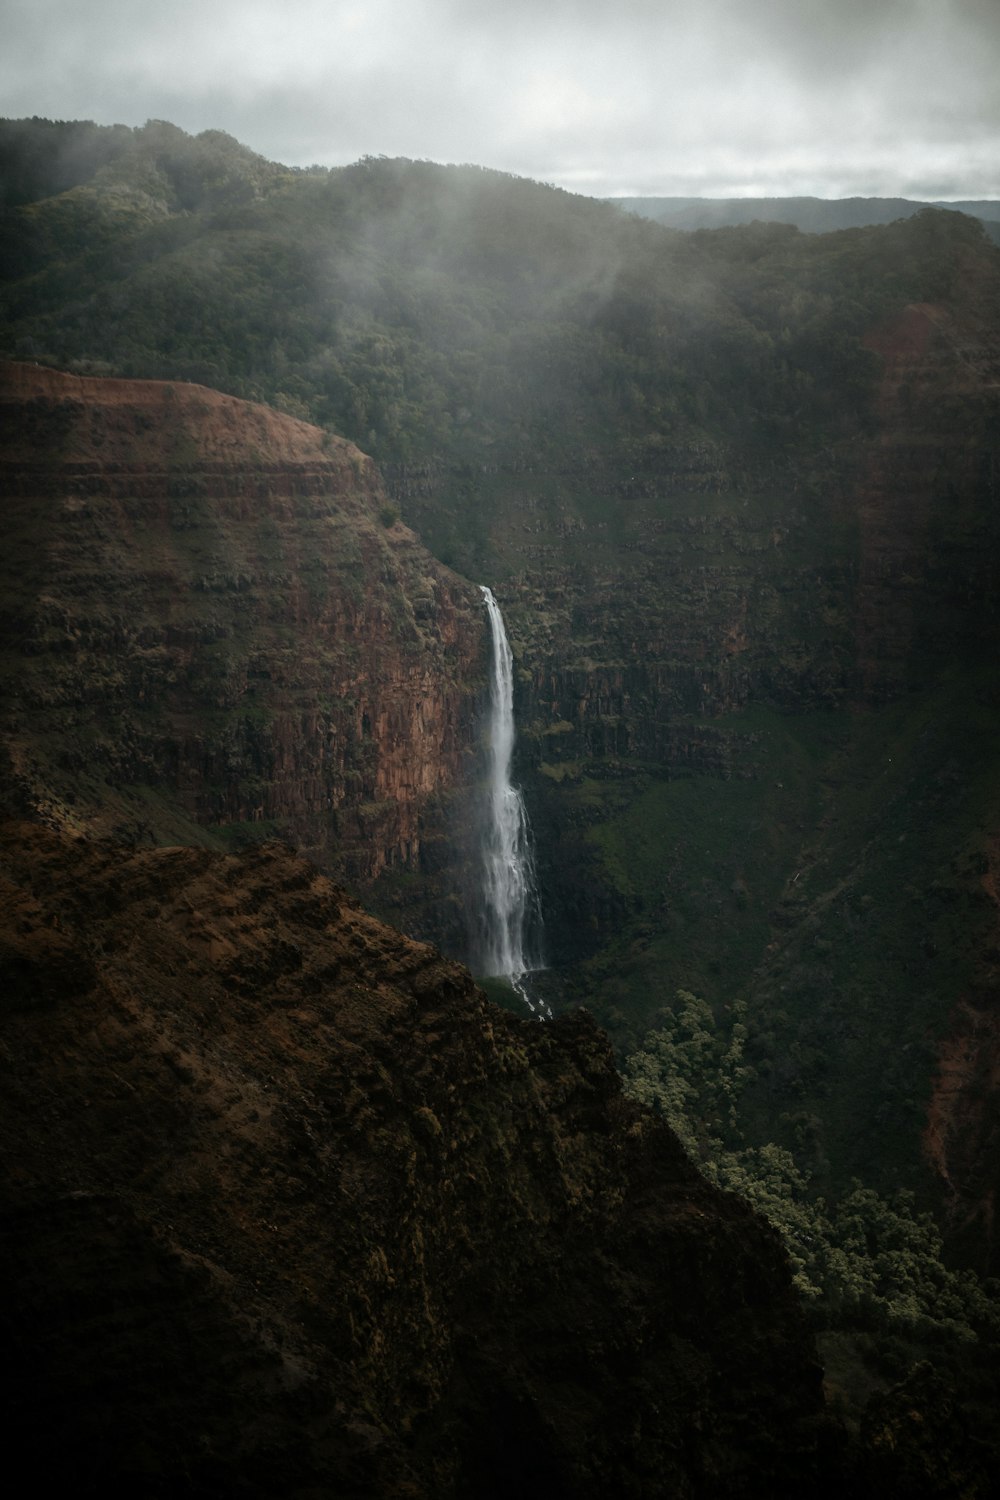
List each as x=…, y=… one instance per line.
x=290, y=1206
x=757, y=698
x=928, y=532
x=760, y=711
x=214, y=620
x=714, y=578
x=962, y=1133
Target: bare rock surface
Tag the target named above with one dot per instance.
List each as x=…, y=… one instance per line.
x=213, y=619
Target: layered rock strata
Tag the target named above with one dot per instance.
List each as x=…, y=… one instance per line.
x=213, y=619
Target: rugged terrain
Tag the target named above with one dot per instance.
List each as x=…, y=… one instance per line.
x=735, y=491
x=736, y=494
x=762, y=754
x=216, y=626
x=292, y=1209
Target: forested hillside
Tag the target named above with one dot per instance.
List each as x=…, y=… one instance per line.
x=445, y=313
x=814, y=215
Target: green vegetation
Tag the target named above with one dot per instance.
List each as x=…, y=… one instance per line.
x=501, y=993
x=835, y=886
x=431, y=312
x=864, y=1257
x=871, y=1267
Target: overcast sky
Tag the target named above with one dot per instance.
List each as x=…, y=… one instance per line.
x=700, y=97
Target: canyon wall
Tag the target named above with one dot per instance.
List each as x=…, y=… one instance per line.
x=216, y=627
x=756, y=696
x=258, y=1151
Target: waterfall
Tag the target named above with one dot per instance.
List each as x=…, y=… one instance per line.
x=509, y=890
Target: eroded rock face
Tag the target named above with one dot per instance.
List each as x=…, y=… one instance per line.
x=855, y=582
x=291, y=1209
x=716, y=579
x=962, y=1134
x=213, y=618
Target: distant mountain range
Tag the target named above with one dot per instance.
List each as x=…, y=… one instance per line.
x=813, y=215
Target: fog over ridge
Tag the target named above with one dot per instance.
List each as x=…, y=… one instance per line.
x=718, y=98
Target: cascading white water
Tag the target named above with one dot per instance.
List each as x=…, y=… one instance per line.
x=510, y=896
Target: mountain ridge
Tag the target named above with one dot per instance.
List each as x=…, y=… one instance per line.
x=810, y=214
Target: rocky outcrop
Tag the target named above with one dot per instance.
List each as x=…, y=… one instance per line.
x=289, y=1209
x=928, y=556
x=216, y=625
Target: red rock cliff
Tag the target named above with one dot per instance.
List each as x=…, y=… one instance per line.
x=213, y=618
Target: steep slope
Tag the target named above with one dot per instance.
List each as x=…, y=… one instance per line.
x=214, y=626
x=771, y=774
x=290, y=1208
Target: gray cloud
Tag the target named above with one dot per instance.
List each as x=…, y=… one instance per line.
x=649, y=96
